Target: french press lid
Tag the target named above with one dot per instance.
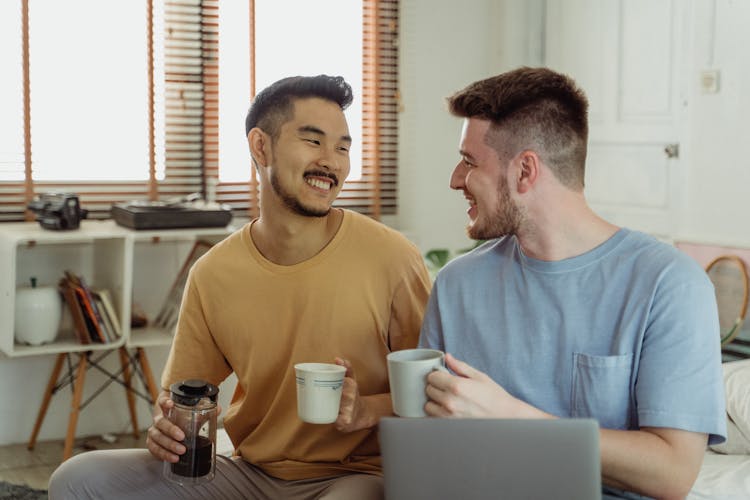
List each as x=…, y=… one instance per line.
x=190, y=392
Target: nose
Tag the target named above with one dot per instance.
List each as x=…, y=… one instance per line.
x=332, y=159
x=458, y=177
x=326, y=160
x=334, y=162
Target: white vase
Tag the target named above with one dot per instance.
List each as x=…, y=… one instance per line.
x=38, y=311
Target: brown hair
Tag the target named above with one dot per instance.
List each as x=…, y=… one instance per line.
x=534, y=108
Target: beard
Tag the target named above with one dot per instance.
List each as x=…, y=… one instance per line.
x=505, y=220
x=294, y=203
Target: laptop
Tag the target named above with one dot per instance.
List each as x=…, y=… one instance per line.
x=467, y=459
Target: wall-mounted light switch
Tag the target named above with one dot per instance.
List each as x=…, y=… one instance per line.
x=710, y=81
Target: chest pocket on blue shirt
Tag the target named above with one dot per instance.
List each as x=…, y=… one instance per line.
x=601, y=389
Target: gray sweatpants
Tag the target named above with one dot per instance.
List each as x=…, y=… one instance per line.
x=136, y=474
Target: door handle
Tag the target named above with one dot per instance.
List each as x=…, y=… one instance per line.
x=672, y=150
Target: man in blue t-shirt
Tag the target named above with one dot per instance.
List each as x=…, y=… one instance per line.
x=563, y=314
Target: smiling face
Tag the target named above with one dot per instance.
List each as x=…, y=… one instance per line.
x=481, y=175
x=309, y=160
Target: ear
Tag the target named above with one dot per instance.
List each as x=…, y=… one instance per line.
x=259, y=143
x=529, y=169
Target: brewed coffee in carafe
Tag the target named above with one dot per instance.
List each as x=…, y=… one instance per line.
x=194, y=411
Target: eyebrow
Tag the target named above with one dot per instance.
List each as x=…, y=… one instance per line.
x=465, y=154
x=311, y=129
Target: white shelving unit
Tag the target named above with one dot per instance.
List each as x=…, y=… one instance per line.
x=135, y=266
x=98, y=251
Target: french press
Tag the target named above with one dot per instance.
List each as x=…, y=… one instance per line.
x=195, y=412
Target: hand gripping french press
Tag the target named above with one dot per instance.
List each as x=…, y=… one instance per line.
x=194, y=411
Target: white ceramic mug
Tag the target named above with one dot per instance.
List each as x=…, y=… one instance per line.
x=319, y=391
x=407, y=375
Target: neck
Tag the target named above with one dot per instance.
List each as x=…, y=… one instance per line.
x=291, y=239
x=569, y=229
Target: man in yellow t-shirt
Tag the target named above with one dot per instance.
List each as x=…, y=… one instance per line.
x=304, y=282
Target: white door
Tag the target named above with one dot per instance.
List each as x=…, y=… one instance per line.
x=628, y=56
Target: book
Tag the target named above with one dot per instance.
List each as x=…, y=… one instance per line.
x=92, y=316
x=108, y=311
x=106, y=325
x=95, y=332
x=80, y=328
x=94, y=308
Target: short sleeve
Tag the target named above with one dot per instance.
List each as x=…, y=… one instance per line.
x=408, y=306
x=679, y=381
x=431, y=335
x=194, y=353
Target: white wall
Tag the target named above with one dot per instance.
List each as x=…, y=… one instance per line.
x=446, y=45
x=718, y=183
x=23, y=382
x=441, y=50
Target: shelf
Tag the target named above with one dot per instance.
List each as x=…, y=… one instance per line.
x=212, y=234
x=61, y=346
x=133, y=265
x=149, y=337
x=98, y=252
x=31, y=233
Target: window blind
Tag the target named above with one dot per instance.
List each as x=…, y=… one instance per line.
x=183, y=66
x=375, y=193
x=190, y=97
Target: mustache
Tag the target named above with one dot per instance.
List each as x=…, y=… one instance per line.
x=323, y=173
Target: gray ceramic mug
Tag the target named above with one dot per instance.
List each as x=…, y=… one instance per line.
x=407, y=375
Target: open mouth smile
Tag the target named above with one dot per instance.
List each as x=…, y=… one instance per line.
x=321, y=180
x=317, y=183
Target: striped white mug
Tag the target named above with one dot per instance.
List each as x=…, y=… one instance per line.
x=319, y=391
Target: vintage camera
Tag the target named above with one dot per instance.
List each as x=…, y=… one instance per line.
x=58, y=210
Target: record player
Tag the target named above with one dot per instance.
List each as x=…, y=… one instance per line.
x=185, y=212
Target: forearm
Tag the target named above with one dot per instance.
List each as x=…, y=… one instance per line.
x=659, y=463
x=362, y=412
x=377, y=406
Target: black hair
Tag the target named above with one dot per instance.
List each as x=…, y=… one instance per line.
x=273, y=106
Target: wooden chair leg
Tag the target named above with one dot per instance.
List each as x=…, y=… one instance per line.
x=147, y=374
x=126, y=378
x=46, y=399
x=75, y=406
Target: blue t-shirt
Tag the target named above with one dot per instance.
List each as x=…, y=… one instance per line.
x=626, y=333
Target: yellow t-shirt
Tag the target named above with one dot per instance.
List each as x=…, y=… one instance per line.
x=360, y=298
